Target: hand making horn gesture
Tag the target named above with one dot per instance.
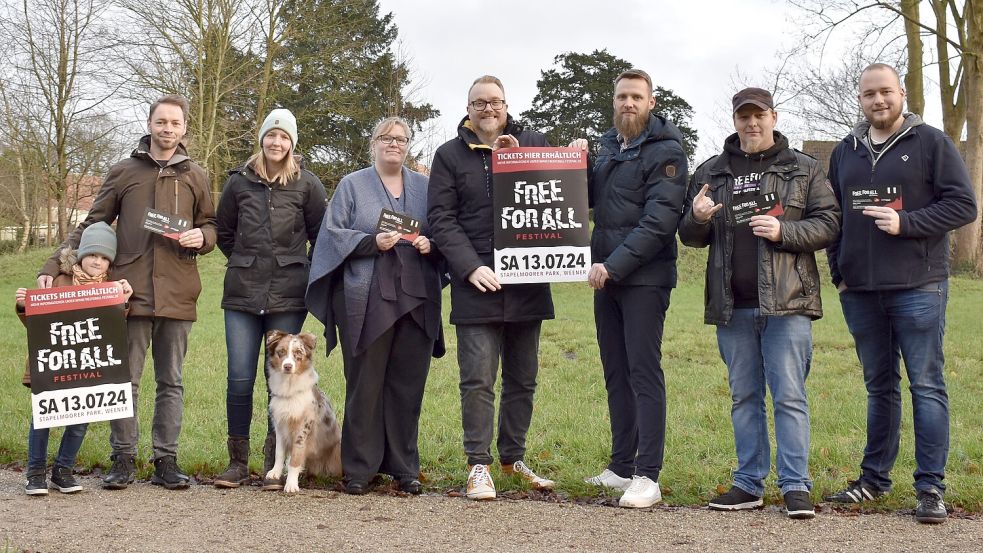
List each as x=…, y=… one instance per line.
x=703, y=206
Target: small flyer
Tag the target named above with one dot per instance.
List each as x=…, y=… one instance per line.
x=407, y=226
x=76, y=339
x=868, y=196
x=169, y=225
x=747, y=206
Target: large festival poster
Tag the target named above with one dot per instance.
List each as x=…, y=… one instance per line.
x=542, y=231
x=76, y=339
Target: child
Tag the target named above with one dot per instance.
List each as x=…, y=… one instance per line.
x=88, y=265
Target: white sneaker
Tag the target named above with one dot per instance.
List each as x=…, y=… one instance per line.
x=480, y=484
x=609, y=479
x=528, y=475
x=642, y=492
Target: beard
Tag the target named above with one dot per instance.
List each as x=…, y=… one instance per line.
x=631, y=125
x=884, y=120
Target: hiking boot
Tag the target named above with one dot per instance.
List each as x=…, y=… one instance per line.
x=167, y=474
x=410, y=486
x=269, y=458
x=526, y=473
x=480, y=484
x=121, y=473
x=64, y=481
x=799, y=505
x=609, y=479
x=855, y=492
x=36, y=484
x=238, y=470
x=931, y=508
x=642, y=492
x=357, y=487
x=735, y=499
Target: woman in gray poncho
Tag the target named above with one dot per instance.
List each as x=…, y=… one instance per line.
x=382, y=290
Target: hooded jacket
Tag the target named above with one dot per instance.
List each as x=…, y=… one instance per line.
x=164, y=275
x=788, y=279
x=937, y=197
x=637, y=192
x=263, y=229
x=460, y=213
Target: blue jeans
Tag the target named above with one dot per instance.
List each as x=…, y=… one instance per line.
x=37, y=446
x=244, y=333
x=777, y=351
x=886, y=326
x=479, y=348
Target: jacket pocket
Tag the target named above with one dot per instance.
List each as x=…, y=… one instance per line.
x=794, y=195
x=286, y=260
x=241, y=261
x=125, y=259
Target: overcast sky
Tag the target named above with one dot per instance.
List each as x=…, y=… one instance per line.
x=693, y=47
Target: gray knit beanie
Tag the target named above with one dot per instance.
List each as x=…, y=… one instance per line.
x=98, y=238
x=280, y=119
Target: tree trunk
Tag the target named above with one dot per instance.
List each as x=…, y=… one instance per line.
x=913, y=79
x=968, y=239
x=25, y=211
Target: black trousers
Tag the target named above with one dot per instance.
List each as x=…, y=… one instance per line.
x=383, y=398
x=629, y=321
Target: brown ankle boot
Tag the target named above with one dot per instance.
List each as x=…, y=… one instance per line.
x=269, y=457
x=238, y=470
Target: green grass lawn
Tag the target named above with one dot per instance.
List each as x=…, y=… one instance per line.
x=570, y=436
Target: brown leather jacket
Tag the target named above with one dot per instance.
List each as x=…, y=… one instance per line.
x=163, y=274
x=788, y=279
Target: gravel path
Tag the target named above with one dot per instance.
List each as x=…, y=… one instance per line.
x=148, y=518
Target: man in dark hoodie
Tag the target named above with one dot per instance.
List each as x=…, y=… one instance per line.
x=891, y=266
x=493, y=321
x=636, y=188
x=164, y=274
x=762, y=291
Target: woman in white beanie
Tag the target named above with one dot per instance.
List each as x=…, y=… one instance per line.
x=269, y=211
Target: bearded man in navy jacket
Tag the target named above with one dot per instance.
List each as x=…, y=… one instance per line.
x=891, y=266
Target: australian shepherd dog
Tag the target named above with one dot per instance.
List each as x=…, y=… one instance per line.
x=307, y=432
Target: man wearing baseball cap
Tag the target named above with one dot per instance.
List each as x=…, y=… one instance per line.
x=763, y=209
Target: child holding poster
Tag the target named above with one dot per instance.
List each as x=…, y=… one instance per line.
x=90, y=264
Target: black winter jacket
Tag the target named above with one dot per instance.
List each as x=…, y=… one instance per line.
x=937, y=197
x=460, y=213
x=264, y=230
x=637, y=194
x=788, y=279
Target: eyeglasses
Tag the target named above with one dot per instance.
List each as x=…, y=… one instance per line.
x=480, y=105
x=387, y=140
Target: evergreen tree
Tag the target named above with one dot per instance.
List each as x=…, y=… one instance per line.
x=575, y=100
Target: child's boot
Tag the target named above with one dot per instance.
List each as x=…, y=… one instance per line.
x=64, y=481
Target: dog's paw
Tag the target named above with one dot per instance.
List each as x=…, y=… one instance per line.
x=291, y=487
x=274, y=474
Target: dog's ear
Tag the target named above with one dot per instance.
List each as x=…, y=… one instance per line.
x=310, y=341
x=274, y=336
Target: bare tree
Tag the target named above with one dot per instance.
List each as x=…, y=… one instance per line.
x=59, y=53
x=961, y=93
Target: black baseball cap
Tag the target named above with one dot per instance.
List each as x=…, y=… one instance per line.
x=754, y=96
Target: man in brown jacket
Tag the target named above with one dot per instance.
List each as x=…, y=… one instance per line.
x=163, y=273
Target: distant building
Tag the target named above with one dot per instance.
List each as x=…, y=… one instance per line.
x=821, y=150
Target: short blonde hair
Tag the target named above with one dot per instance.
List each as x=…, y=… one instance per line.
x=386, y=125
x=487, y=79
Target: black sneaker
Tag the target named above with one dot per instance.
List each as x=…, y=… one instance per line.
x=931, y=508
x=121, y=473
x=735, y=499
x=798, y=505
x=855, y=492
x=64, y=481
x=167, y=474
x=36, y=484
